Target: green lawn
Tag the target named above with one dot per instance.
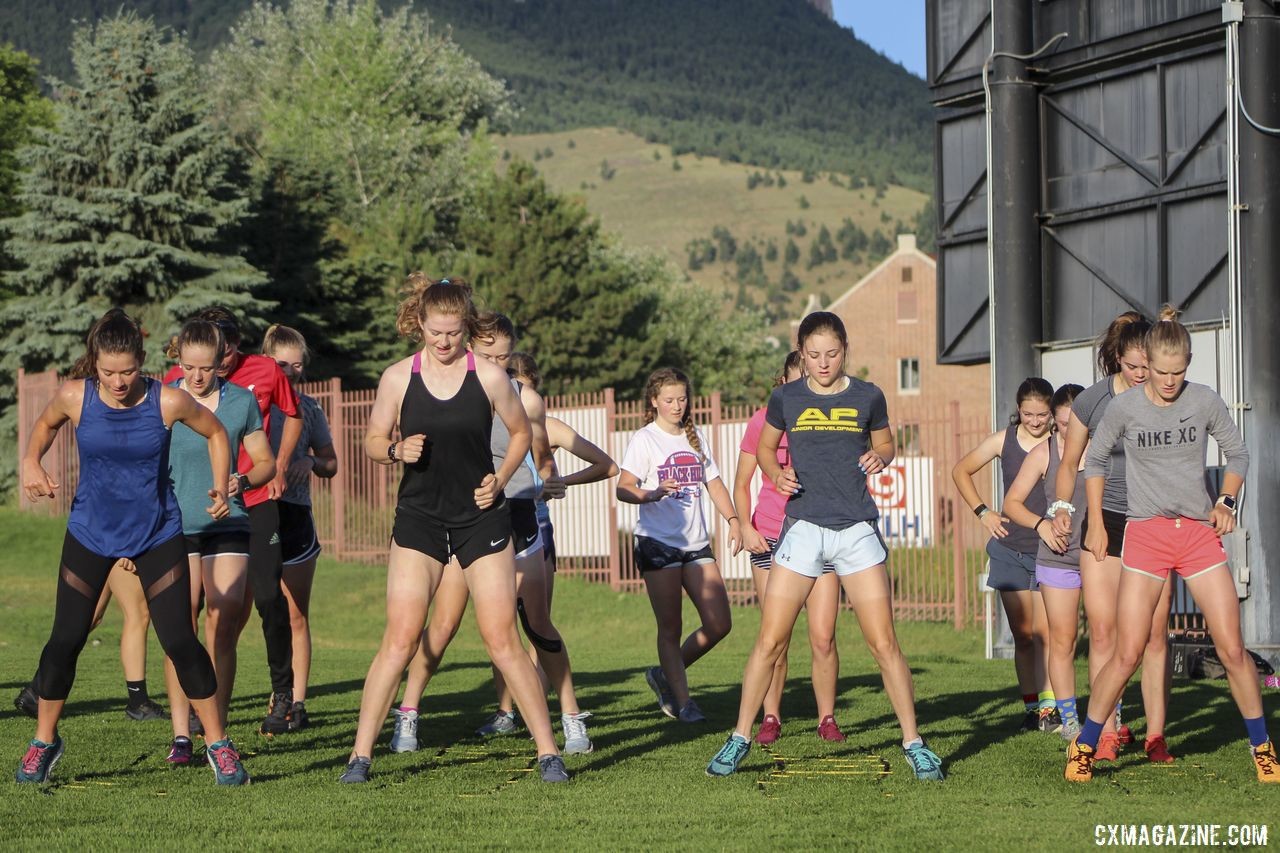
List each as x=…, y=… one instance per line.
x=644, y=786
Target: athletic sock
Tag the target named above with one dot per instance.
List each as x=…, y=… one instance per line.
x=405, y=709
x=1030, y=701
x=1067, y=710
x=908, y=744
x=1257, y=727
x=137, y=692
x=1047, y=699
x=1089, y=733
x=1119, y=707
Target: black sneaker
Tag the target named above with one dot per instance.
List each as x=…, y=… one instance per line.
x=1050, y=720
x=27, y=702
x=1030, y=722
x=300, y=719
x=146, y=710
x=279, y=715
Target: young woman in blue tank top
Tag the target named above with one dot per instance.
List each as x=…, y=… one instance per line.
x=1122, y=359
x=1011, y=548
x=493, y=339
x=1058, y=557
x=443, y=401
x=124, y=507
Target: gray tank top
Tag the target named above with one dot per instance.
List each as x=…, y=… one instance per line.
x=1071, y=559
x=521, y=486
x=1024, y=540
x=1089, y=406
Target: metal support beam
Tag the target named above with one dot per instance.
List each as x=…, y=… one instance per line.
x=1260, y=261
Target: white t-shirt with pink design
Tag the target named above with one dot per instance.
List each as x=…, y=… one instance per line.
x=678, y=519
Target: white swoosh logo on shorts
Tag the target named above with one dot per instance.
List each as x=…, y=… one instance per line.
x=495, y=543
x=531, y=539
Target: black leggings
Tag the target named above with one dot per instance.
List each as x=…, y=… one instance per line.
x=266, y=564
x=166, y=581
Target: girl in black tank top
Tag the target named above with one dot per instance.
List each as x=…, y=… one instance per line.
x=455, y=455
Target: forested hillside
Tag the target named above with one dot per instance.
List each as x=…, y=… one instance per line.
x=767, y=82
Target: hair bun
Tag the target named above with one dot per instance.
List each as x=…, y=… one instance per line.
x=1168, y=313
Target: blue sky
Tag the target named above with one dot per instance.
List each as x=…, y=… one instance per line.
x=893, y=27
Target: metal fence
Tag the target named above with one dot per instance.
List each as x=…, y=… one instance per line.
x=936, y=545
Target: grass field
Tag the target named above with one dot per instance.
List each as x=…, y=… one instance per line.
x=652, y=205
x=644, y=786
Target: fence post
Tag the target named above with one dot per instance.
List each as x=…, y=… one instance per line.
x=615, y=557
x=959, y=592
x=338, y=487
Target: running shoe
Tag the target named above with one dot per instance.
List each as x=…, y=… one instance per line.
x=1050, y=720
x=1069, y=731
x=194, y=725
x=225, y=761
x=146, y=710
x=726, y=761
x=658, y=683
x=279, y=718
x=500, y=723
x=1108, y=747
x=551, y=769
x=1080, y=758
x=357, y=771
x=924, y=762
x=1125, y=734
x=770, y=730
x=1264, y=758
x=576, y=741
x=180, y=752
x=829, y=730
x=691, y=713
x=1030, y=722
x=299, y=713
x=405, y=736
x=37, y=765
x=1157, y=750
x=27, y=702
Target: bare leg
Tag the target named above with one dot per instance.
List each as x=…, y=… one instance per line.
x=773, y=696
x=1136, y=602
x=225, y=577
x=872, y=598
x=296, y=581
x=1062, y=607
x=450, y=602
x=1215, y=593
x=823, y=605
x=784, y=597
x=1101, y=582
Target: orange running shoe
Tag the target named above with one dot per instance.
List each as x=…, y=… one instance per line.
x=1157, y=750
x=1080, y=758
x=1108, y=747
x=1264, y=757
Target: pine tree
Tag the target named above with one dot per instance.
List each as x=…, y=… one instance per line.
x=21, y=111
x=135, y=199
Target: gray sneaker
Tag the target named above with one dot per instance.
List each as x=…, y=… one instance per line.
x=405, y=736
x=1069, y=731
x=357, y=770
x=691, y=713
x=551, y=769
x=658, y=683
x=576, y=741
x=501, y=723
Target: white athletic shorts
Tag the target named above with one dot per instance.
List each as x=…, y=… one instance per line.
x=804, y=547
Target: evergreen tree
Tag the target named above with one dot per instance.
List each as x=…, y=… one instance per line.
x=21, y=111
x=135, y=199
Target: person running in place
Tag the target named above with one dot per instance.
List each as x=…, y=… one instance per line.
x=665, y=469
x=451, y=505
x=838, y=435
x=1058, y=558
x=1123, y=359
x=760, y=537
x=124, y=507
x=270, y=387
x=217, y=549
x=1011, y=549
x=493, y=339
x=299, y=545
x=1173, y=525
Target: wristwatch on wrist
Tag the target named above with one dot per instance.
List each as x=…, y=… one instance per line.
x=244, y=482
x=1229, y=501
x=391, y=451
x=981, y=510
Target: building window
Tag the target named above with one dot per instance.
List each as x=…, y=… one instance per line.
x=908, y=307
x=907, y=270
x=908, y=439
x=908, y=376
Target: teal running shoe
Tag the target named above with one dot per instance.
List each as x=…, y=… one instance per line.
x=730, y=756
x=924, y=762
x=225, y=761
x=37, y=765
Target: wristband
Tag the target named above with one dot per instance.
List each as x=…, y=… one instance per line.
x=981, y=510
x=1038, y=523
x=1060, y=504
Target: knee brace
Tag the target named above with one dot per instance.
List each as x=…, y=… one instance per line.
x=552, y=646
